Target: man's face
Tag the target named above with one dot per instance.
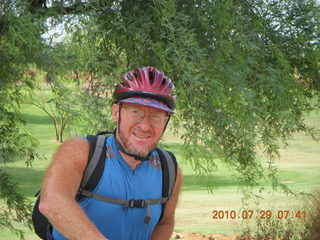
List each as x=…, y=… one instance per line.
x=141, y=127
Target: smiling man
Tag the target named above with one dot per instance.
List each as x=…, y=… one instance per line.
x=132, y=173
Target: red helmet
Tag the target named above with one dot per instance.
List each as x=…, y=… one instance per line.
x=147, y=82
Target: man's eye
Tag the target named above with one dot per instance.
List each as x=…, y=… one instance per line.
x=132, y=110
x=156, y=116
x=135, y=111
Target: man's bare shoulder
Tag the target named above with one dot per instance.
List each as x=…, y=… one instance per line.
x=72, y=153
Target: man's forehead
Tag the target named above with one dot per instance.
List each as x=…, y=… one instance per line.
x=142, y=107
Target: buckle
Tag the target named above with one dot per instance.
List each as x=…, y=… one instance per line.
x=137, y=203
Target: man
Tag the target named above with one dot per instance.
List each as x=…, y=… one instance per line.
x=142, y=109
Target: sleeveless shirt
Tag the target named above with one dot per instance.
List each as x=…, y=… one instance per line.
x=120, y=181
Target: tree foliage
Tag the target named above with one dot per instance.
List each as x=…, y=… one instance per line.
x=19, y=44
x=246, y=72
x=18, y=208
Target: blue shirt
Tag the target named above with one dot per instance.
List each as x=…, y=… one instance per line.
x=120, y=181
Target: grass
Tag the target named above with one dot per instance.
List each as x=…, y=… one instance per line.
x=299, y=168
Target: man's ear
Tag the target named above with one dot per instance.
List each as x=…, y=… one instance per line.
x=115, y=112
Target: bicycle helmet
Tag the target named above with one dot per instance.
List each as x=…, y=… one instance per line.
x=146, y=86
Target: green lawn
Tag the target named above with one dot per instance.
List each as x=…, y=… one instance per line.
x=299, y=168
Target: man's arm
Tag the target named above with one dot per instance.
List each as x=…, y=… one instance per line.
x=60, y=186
x=164, y=228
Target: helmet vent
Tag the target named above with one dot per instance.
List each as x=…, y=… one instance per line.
x=129, y=77
x=164, y=81
x=151, y=77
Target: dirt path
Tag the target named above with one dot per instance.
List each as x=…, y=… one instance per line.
x=196, y=236
x=214, y=236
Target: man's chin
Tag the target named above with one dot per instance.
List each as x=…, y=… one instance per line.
x=140, y=152
x=139, y=149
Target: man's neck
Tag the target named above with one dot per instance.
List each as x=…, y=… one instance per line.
x=130, y=160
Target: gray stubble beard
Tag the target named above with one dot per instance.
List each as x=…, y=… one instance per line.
x=130, y=149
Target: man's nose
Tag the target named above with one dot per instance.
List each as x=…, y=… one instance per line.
x=145, y=123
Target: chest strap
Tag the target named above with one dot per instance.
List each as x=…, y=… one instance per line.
x=128, y=203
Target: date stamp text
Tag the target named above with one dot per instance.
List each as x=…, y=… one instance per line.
x=261, y=214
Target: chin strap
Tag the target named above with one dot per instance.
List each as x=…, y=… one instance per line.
x=136, y=157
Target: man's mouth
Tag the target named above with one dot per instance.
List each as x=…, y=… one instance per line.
x=141, y=136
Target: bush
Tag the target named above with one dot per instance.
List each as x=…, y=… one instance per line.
x=304, y=227
x=312, y=222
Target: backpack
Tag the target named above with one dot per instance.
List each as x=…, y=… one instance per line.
x=92, y=175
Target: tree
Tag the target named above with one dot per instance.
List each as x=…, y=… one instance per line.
x=61, y=105
x=19, y=44
x=246, y=72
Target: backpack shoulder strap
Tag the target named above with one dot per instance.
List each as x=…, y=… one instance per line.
x=169, y=171
x=96, y=162
x=169, y=168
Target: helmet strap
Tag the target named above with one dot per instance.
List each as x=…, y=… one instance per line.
x=136, y=157
x=165, y=126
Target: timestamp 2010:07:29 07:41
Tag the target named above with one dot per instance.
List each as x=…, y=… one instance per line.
x=260, y=214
